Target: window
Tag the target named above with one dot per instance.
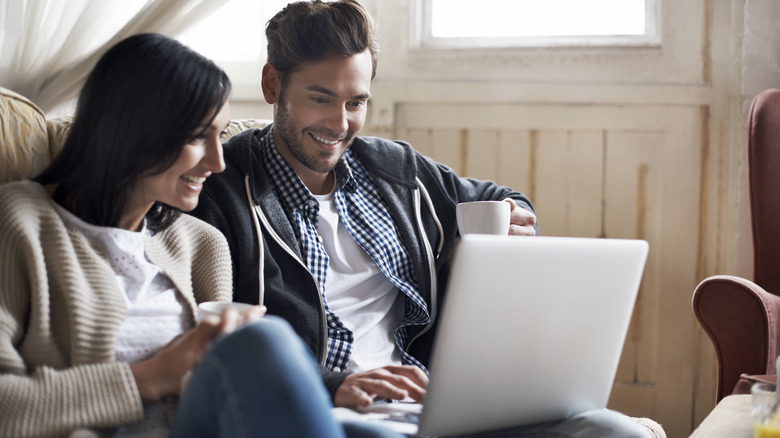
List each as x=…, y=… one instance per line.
x=536, y=23
x=235, y=32
x=234, y=37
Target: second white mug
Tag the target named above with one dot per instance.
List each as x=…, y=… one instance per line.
x=483, y=217
x=207, y=308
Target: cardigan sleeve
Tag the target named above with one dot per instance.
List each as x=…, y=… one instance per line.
x=49, y=402
x=57, y=372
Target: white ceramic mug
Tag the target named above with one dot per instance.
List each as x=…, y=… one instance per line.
x=483, y=217
x=216, y=308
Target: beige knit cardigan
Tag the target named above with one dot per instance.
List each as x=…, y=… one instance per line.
x=60, y=309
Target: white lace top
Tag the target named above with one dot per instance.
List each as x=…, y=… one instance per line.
x=155, y=311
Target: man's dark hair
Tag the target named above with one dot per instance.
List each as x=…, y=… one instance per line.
x=144, y=100
x=308, y=31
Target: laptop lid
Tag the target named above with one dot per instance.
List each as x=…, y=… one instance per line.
x=531, y=330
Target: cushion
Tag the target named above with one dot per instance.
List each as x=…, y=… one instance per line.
x=29, y=142
x=24, y=143
x=746, y=381
x=239, y=125
x=56, y=128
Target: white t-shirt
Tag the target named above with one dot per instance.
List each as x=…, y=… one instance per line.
x=357, y=291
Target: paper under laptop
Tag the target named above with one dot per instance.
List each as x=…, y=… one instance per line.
x=531, y=330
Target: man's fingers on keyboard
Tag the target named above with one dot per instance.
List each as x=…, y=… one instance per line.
x=414, y=373
x=384, y=388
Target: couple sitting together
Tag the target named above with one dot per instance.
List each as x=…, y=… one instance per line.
x=341, y=239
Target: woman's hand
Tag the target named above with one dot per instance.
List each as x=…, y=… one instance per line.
x=161, y=375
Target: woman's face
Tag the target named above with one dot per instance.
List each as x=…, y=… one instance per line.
x=180, y=185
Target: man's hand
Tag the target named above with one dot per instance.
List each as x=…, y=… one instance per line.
x=521, y=221
x=395, y=382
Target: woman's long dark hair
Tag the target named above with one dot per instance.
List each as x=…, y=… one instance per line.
x=145, y=98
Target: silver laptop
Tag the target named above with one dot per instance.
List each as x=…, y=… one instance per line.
x=531, y=330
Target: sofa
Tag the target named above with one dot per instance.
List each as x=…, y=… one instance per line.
x=29, y=142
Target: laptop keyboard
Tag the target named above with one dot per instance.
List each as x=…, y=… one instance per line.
x=405, y=418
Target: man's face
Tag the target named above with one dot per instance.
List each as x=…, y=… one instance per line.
x=320, y=111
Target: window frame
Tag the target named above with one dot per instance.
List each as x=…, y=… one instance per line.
x=421, y=37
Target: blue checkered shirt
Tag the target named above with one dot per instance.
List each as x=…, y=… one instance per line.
x=367, y=219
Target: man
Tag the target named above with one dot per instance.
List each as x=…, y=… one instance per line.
x=346, y=237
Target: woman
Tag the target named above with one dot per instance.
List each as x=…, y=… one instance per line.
x=100, y=274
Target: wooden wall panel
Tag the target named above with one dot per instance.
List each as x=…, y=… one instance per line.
x=482, y=153
x=601, y=171
x=448, y=147
x=633, y=205
x=517, y=160
x=584, y=174
x=551, y=184
x=678, y=252
x=421, y=139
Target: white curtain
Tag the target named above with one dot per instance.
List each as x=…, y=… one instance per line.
x=48, y=47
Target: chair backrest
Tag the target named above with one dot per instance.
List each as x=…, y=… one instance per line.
x=764, y=176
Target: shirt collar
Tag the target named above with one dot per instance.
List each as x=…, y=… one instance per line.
x=292, y=192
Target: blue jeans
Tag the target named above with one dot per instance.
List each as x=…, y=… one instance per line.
x=600, y=423
x=261, y=381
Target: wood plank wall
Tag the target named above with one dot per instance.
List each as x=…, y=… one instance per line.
x=600, y=171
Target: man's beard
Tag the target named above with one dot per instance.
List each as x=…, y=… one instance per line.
x=293, y=138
